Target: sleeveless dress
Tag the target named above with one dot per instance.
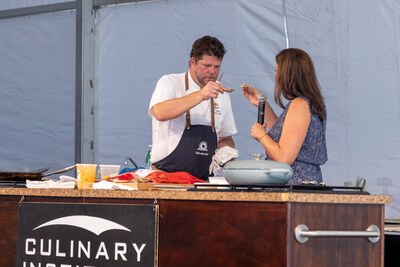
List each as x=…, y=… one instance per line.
x=313, y=152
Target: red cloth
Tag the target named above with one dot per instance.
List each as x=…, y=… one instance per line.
x=161, y=177
x=173, y=178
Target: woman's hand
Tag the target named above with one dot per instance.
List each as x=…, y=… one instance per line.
x=258, y=131
x=250, y=93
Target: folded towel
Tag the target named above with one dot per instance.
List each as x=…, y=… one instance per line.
x=66, y=178
x=50, y=184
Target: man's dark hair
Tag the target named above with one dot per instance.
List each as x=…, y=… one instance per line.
x=207, y=45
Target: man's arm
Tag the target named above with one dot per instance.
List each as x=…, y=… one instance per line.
x=226, y=141
x=173, y=108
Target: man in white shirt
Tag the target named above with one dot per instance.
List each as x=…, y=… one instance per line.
x=192, y=116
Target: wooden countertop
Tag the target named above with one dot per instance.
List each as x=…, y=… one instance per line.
x=172, y=194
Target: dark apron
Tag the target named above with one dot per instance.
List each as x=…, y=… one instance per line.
x=195, y=149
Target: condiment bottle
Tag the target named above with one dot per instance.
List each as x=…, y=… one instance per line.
x=148, y=164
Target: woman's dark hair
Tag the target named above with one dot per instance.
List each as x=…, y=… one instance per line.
x=207, y=45
x=296, y=77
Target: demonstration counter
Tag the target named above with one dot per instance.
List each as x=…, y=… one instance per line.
x=234, y=228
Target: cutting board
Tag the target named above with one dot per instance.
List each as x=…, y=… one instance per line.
x=159, y=186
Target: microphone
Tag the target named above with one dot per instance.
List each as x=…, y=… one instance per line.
x=261, y=108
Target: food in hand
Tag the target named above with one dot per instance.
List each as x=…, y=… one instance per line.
x=244, y=86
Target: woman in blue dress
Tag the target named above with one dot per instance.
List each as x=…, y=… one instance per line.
x=298, y=136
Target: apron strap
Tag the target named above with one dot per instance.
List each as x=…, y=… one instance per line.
x=212, y=115
x=188, y=113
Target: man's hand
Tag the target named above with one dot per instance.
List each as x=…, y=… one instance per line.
x=211, y=90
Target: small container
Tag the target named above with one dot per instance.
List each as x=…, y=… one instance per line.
x=107, y=171
x=86, y=175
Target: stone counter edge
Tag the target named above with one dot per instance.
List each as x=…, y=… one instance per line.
x=203, y=196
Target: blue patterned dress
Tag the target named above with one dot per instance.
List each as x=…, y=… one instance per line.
x=313, y=152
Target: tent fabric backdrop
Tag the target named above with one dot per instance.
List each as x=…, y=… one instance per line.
x=135, y=50
x=37, y=92
x=355, y=46
x=11, y=4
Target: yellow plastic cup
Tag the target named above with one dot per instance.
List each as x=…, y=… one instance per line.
x=86, y=175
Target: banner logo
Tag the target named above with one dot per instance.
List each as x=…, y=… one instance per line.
x=93, y=224
x=94, y=235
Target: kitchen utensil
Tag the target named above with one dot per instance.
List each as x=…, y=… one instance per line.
x=42, y=170
x=127, y=169
x=34, y=175
x=220, y=77
x=227, y=90
x=131, y=160
x=257, y=172
x=20, y=176
x=59, y=171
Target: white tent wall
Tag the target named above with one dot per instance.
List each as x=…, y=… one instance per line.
x=37, y=92
x=355, y=46
x=135, y=50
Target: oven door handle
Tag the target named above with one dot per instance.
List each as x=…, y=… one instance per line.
x=302, y=233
